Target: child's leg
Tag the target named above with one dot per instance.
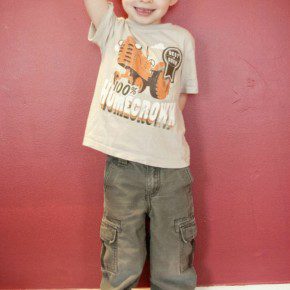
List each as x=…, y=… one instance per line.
x=122, y=231
x=172, y=229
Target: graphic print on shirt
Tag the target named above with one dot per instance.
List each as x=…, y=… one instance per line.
x=142, y=73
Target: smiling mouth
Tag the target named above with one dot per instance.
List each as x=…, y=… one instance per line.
x=144, y=11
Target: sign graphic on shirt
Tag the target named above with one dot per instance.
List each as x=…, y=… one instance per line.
x=121, y=95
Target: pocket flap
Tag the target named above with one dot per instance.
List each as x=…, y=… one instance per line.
x=183, y=222
x=188, y=233
x=108, y=233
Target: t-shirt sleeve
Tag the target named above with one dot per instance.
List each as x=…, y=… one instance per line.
x=105, y=29
x=189, y=83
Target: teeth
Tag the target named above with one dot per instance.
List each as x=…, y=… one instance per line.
x=144, y=10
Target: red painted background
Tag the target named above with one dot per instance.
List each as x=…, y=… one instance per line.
x=238, y=128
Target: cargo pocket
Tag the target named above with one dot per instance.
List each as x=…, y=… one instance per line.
x=187, y=233
x=109, y=246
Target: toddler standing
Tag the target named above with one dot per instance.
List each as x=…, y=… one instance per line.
x=147, y=69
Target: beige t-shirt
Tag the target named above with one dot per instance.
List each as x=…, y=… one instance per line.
x=134, y=112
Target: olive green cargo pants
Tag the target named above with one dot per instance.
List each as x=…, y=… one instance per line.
x=133, y=190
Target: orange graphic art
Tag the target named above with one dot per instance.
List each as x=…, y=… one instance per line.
x=142, y=72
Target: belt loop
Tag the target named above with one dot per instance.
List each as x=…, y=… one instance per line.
x=123, y=161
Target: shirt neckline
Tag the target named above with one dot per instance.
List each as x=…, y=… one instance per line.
x=152, y=26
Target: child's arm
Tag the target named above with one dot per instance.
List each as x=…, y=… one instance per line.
x=96, y=9
x=182, y=101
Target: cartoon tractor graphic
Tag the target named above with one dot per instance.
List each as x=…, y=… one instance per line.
x=140, y=71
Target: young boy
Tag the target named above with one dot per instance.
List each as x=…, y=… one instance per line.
x=147, y=70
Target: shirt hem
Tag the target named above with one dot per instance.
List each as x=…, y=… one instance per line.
x=131, y=157
x=190, y=90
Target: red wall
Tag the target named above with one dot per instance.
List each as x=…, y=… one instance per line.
x=51, y=197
